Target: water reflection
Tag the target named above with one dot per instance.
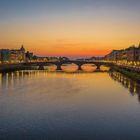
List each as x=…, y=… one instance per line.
x=133, y=86
x=43, y=105
x=11, y=79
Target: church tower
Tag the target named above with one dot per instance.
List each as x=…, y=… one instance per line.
x=22, y=48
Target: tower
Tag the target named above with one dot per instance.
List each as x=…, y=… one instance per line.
x=22, y=53
x=22, y=48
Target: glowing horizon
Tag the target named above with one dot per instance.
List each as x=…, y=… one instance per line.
x=70, y=28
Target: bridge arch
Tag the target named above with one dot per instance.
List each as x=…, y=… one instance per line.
x=69, y=67
x=60, y=63
x=88, y=67
x=50, y=67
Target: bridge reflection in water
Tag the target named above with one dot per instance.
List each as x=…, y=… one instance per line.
x=133, y=86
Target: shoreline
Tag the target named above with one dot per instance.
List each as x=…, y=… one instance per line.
x=131, y=74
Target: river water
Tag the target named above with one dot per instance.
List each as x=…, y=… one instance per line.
x=77, y=106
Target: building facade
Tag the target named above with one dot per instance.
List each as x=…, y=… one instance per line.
x=29, y=56
x=12, y=56
x=4, y=55
x=17, y=55
x=138, y=52
x=131, y=54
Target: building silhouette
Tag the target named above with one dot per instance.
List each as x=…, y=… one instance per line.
x=129, y=54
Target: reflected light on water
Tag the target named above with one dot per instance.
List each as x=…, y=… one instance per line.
x=11, y=79
x=65, y=106
x=133, y=86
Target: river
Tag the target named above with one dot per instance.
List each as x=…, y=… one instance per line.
x=68, y=106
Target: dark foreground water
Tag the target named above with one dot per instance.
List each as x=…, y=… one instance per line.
x=57, y=106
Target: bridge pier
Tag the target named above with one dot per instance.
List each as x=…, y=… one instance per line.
x=79, y=66
x=98, y=67
x=41, y=67
x=58, y=67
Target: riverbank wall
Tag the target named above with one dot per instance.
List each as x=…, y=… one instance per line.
x=12, y=67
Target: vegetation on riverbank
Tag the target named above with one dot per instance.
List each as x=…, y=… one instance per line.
x=133, y=75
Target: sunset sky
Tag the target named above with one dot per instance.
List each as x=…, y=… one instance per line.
x=75, y=28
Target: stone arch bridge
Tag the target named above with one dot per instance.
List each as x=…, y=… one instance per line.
x=60, y=63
